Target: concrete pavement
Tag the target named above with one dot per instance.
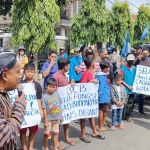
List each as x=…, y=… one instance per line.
x=136, y=136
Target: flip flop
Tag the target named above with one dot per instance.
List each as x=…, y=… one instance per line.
x=104, y=129
x=71, y=142
x=86, y=139
x=60, y=147
x=99, y=136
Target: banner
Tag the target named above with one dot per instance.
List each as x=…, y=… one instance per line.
x=32, y=114
x=79, y=101
x=142, y=80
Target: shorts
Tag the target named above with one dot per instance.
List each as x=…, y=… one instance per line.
x=52, y=126
x=33, y=129
x=103, y=107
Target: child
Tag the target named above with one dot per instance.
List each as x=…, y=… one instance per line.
x=104, y=94
x=51, y=105
x=88, y=76
x=62, y=80
x=118, y=99
x=29, y=71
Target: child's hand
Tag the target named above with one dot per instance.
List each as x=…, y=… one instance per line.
x=45, y=124
x=72, y=83
x=60, y=120
x=94, y=81
x=118, y=103
x=130, y=88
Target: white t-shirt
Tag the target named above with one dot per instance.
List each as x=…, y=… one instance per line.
x=114, y=106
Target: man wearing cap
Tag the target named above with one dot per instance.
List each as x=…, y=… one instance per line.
x=143, y=61
x=62, y=53
x=75, y=61
x=11, y=117
x=128, y=72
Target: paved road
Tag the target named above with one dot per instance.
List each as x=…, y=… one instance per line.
x=136, y=136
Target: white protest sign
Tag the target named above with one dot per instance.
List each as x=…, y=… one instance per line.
x=32, y=115
x=79, y=101
x=141, y=83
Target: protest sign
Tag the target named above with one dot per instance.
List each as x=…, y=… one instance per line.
x=142, y=80
x=79, y=101
x=32, y=115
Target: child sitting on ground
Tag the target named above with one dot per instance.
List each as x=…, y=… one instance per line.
x=118, y=99
x=51, y=105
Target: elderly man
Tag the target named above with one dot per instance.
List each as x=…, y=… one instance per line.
x=10, y=117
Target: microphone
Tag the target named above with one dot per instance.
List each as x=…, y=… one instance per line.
x=20, y=89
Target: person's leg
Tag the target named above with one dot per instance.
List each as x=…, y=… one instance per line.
x=66, y=131
x=33, y=131
x=82, y=126
x=23, y=138
x=125, y=108
x=55, y=140
x=45, y=138
x=104, y=117
x=93, y=126
x=113, y=120
x=141, y=103
x=101, y=115
x=119, y=116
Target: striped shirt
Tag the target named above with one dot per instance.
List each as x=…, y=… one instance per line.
x=10, y=121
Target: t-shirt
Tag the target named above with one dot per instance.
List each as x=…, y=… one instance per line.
x=61, y=79
x=38, y=88
x=119, y=95
x=53, y=70
x=48, y=102
x=86, y=77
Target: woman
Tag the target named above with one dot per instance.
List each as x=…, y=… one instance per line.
x=21, y=57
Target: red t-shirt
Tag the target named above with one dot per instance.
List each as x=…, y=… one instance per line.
x=86, y=77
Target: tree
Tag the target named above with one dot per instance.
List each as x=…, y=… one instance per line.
x=90, y=24
x=5, y=6
x=34, y=23
x=143, y=17
x=120, y=23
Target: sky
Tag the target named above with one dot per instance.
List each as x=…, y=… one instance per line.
x=133, y=9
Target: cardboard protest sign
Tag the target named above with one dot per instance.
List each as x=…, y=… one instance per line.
x=32, y=114
x=79, y=101
x=142, y=80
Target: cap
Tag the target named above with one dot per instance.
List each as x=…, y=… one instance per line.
x=21, y=48
x=130, y=57
x=72, y=51
x=62, y=48
x=89, y=51
x=76, y=49
x=7, y=61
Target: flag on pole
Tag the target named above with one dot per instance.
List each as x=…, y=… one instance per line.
x=126, y=47
x=145, y=33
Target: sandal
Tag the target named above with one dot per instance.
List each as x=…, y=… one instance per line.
x=71, y=142
x=86, y=139
x=61, y=147
x=103, y=129
x=99, y=136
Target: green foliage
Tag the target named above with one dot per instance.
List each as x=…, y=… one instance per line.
x=90, y=24
x=120, y=22
x=143, y=17
x=5, y=6
x=34, y=22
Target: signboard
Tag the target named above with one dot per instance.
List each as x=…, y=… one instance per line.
x=79, y=101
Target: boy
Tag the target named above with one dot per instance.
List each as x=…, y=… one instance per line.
x=11, y=117
x=62, y=80
x=104, y=93
x=88, y=76
x=118, y=95
x=51, y=106
x=29, y=71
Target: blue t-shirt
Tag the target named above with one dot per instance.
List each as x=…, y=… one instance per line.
x=129, y=75
x=53, y=70
x=65, y=56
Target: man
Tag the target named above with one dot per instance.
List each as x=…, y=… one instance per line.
x=10, y=117
x=62, y=53
x=128, y=72
x=143, y=61
x=103, y=53
x=138, y=52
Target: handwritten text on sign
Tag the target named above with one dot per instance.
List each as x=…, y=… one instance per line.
x=32, y=114
x=142, y=80
x=79, y=101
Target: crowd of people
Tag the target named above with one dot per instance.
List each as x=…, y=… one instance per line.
x=104, y=67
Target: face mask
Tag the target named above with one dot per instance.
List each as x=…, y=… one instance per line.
x=130, y=63
x=145, y=56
